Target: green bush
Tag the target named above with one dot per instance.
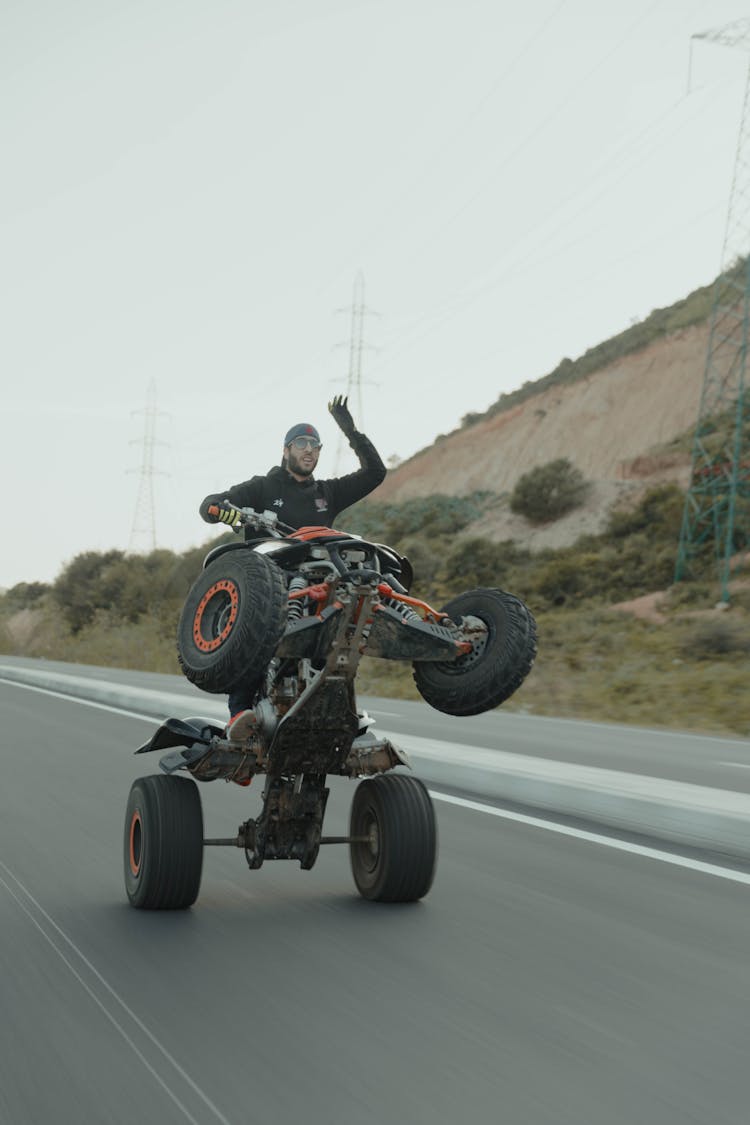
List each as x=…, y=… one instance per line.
x=24, y=595
x=424, y=516
x=78, y=590
x=478, y=562
x=659, y=513
x=716, y=637
x=549, y=491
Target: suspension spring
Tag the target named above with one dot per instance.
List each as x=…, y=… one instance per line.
x=402, y=608
x=295, y=607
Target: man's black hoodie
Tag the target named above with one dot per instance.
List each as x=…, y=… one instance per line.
x=309, y=502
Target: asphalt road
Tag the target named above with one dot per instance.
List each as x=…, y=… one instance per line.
x=545, y=979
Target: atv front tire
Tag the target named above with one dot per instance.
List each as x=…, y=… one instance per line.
x=232, y=621
x=394, y=860
x=163, y=843
x=498, y=664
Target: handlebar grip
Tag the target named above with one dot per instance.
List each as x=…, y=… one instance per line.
x=225, y=513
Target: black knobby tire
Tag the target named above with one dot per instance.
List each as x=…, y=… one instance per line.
x=232, y=621
x=497, y=665
x=397, y=863
x=163, y=843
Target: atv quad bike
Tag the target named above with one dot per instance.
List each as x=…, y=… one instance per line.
x=288, y=615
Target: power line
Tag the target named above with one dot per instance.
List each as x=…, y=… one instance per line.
x=511, y=269
x=459, y=130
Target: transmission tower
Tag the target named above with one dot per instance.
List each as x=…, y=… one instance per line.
x=144, y=519
x=716, y=506
x=358, y=311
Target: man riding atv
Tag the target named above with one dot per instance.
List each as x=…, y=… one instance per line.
x=291, y=490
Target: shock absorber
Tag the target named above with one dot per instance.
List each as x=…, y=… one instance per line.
x=295, y=608
x=403, y=609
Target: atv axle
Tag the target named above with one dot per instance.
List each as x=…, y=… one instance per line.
x=239, y=842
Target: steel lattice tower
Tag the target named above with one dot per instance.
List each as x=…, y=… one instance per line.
x=357, y=346
x=144, y=519
x=716, y=505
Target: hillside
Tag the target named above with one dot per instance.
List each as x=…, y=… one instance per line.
x=613, y=424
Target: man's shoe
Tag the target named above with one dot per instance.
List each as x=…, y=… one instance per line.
x=241, y=726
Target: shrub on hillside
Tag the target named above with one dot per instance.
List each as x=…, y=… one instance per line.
x=549, y=491
x=424, y=563
x=475, y=563
x=78, y=589
x=425, y=516
x=572, y=576
x=24, y=595
x=125, y=587
x=659, y=513
x=716, y=637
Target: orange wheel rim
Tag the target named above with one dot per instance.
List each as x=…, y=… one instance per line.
x=218, y=606
x=136, y=843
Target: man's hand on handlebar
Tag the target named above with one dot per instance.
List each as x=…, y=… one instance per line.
x=225, y=513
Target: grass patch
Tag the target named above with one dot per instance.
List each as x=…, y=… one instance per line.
x=605, y=666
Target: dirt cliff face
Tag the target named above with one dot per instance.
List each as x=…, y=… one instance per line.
x=610, y=424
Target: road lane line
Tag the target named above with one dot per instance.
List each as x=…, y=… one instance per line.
x=595, y=838
x=115, y=996
x=79, y=699
x=590, y=724
x=737, y=765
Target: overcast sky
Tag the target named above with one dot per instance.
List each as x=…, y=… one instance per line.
x=190, y=188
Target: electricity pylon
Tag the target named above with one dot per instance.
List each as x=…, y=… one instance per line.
x=357, y=346
x=144, y=519
x=716, y=510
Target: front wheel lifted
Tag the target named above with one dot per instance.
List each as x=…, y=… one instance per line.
x=232, y=621
x=163, y=843
x=395, y=847
x=503, y=652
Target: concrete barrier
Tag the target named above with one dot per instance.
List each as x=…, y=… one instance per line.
x=695, y=816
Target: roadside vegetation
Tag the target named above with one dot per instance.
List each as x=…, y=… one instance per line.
x=549, y=491
x=685, y=665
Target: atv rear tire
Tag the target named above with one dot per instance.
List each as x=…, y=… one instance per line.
x=397, y=863
x=498, y=663
x=163, y=843
x=232, y=621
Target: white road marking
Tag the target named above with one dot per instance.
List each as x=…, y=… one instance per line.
x=85, y=702
x=666, y=732
x=100, y=1004
x=596, y=838
x=477, y=806
x=737, y=765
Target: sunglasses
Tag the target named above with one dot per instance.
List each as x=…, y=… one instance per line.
x=304, y=442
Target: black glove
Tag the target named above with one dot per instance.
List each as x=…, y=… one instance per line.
x=339, y=410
